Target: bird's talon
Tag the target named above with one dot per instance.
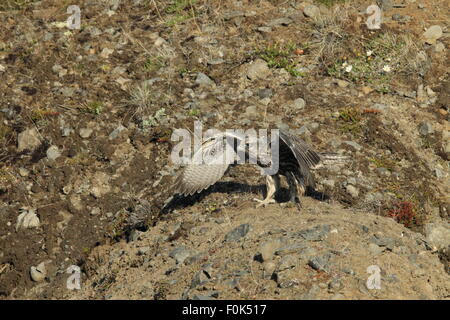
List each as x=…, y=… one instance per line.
x=264, y=202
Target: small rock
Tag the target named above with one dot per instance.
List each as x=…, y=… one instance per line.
x=233, y=14
x=342, y=83
x=85, y=132
x=352, y=190
x=438, y=235
x=439, y=47
x=258, y=69
x=66, y=132
x=287, y=262
x=269, y=268
x=386, y=5
x=367, y=90
x=264, y=29
x=53, y=153
x=426, y=128
x=354, y=145
x=181, y=253
x=335, y=285
x=319, y=262
x=238, y=233
x=24, y=172
x=264, y=93
x=432, y=34
x=311, y=11
x=267, y=249
x=291, y=248
x=375, y=249
x=115, y=133
x=28, y=140
x=397, y=17
x=39, y=272
x=298, y=104
x=317, y=233
x=203, y=80
x=280, y=21
x=106, y=52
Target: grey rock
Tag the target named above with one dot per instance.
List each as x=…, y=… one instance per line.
x=202, y=297
x=85, y=132
x=311, y=11
x=397, y=17
x=233, y=14
x=354, y=145
x=375, y=249
x=66, y=132
x=298, y=104
x=311, y=294
x=352, y=190
x=181, y=253
x=380, y=107
x=203, y=80
x=307, y=253
x=287, y=262
x=291, y=248
x=335, y=285
x=200, y=278
x=387, y=242
x=257, y=69
x=426, y=128
x=264, y=93
x=386, y=5
x=319, y=263
x=268, y=248
x=237, y=233
x=318, y=233
x=115, y=133
x=28, y=140
x=280, y=21
x=143, y=250
x=264, y=29
x=432, y=34
x=53, y=153
x=348, y=271
x=438, y=234
x=439, y=47
x=214, y=62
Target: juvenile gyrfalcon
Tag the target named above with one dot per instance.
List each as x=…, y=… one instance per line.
x=296, y=159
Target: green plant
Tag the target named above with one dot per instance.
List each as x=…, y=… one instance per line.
x=178, y=8
x=154, y=63
x=351, y=120
x=281, y=56
x=94, y=107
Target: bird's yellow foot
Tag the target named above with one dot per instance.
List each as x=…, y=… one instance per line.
x=264, y=202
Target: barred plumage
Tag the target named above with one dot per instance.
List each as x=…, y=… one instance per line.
x=296, y=159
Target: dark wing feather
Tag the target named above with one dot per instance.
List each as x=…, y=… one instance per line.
x=305, y=156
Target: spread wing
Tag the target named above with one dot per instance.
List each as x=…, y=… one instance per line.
x=305, y=156
x=209, y=165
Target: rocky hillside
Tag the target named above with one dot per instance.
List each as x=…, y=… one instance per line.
x=86, y=118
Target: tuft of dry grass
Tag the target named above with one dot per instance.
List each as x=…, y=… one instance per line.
x=329, y=37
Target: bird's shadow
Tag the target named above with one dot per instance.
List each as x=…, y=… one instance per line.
x=229, y=187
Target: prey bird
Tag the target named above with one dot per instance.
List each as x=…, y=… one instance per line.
x=295, y=161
